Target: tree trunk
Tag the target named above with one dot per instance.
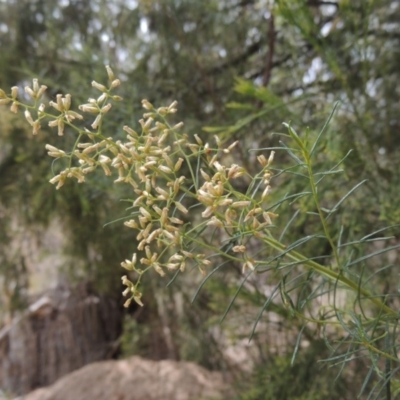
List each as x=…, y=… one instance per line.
x=63, y=330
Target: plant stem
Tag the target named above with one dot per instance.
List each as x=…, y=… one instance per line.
x=330, y=274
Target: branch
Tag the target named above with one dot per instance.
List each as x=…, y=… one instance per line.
x=271, y=48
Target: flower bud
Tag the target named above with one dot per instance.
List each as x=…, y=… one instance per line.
x=101, y=98
x=96, y=122
x=239, y=249
x=41, y=91
x=181, y=207
x=177, y=126
x=265, y=192
x=36, y=127
x=147, y=105
x=172, y=105
x=240, y=204
x=158, y=269
x=175, y=220
x=60, y=103
x=178, y=165
x=127, y=303
x=198, y=140
x=28, y=117
x=14, y=92
x=215, y=222
x=115, y=83
x=137, y=299
x=110, y=73
x=30, y=92
x=127, y=265
x=270, y=158
x=60, y=127
x=66, y=101
x=41, y=109
x=207, y=212
x=106, y=108
x=35, y=85
x=99, y=86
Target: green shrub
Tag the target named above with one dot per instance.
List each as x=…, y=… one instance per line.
x=193, y=207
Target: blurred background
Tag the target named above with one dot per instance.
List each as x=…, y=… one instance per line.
x=241, y=67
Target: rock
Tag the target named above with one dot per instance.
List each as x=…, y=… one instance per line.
x=135, y=379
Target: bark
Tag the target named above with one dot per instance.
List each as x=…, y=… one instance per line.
x=61, y=332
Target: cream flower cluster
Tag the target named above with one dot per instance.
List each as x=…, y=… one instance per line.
x=151, y=162
x=241, y=215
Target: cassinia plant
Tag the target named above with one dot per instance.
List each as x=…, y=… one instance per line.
x=151, y=162
x=172, y=173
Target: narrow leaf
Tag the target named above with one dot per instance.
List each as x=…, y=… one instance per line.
x=323, y=129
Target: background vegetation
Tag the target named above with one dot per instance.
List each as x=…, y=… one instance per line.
x=238, y=69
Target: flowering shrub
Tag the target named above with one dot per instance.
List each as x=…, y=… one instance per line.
x=172, y=173
x=151, y=162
